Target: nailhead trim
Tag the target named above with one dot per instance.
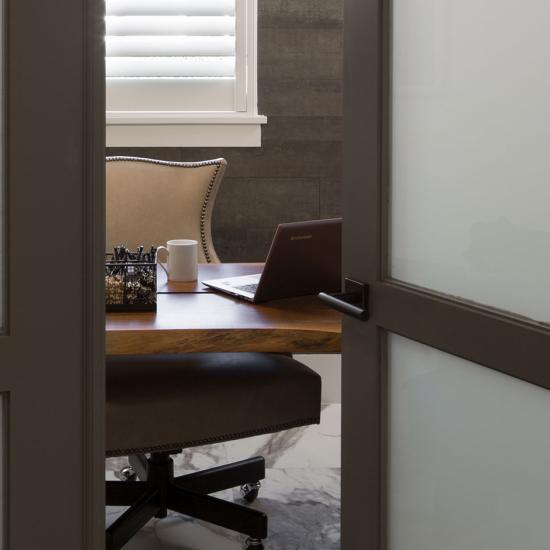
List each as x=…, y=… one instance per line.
x=182, y=164
x=204, y=212
x=198, y=164
x=210, y=440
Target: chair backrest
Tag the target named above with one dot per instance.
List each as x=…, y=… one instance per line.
x=152, y=201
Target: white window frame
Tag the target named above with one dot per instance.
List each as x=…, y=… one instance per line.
x=238, y=128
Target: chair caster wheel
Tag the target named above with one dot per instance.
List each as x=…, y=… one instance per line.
x=253, y=544
x=126, y=474
x=249, y=491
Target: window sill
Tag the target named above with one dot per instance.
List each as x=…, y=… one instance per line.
x=163, y=129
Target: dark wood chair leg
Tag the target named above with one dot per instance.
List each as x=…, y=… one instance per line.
x=219, y=512
x=129, y=523
x=223, y=477
x=187, y=495
x=139, y=465
x=123, y=493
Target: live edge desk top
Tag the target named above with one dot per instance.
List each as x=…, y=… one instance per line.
x=191, y=318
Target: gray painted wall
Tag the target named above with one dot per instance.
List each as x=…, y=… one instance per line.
x=296, y=174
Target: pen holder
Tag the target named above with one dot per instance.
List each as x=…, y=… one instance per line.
x=130, y=285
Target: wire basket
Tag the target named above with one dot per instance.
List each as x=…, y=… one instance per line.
x=130, y=285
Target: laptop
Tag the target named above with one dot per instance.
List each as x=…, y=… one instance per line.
x=304, y=258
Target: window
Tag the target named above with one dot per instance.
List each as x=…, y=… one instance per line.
x=181, y=73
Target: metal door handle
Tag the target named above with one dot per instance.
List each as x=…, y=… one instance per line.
x=354, y=301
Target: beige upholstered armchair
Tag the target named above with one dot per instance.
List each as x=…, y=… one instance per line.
x=152, y=201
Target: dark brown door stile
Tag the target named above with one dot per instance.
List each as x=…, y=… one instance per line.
x=361, y=342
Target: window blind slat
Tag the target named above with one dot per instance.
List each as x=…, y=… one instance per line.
x=162, y=67
x=145, y=25
x=169, y=45
x=176, y=46
x=170, y=7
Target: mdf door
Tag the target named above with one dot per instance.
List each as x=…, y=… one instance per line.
x=447, y=219
x=51, y=314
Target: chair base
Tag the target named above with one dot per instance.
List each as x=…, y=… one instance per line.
x=158, y=491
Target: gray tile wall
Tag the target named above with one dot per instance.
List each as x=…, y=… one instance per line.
x=296, y=174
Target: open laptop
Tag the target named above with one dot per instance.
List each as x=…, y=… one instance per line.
x=304, y=258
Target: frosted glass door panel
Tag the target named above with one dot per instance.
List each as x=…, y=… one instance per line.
x=469, y=455
x=2, y=188
x=470, y=199
x=2, y=471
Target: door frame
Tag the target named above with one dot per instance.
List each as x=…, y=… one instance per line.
x=94, y=129
x=494, y=338
x=54, y=152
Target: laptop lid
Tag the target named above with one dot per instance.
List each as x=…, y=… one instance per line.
x=304, y=258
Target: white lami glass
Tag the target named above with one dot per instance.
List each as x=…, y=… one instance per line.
x=3, y=424
x=3, y=265
x=2, y=285
x=470, y=199
x=469, y=450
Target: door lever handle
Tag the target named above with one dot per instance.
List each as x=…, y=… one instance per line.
x=354, y=301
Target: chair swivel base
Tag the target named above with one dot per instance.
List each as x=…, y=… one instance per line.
x=159, y=491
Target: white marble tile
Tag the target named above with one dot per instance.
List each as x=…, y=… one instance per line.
x=175, y=533
x=190, y=460
x=307, y=447
x=303, y=507
x=200, y=458
x=301, y=492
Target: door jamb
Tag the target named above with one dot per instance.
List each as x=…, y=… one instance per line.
x=93, y=113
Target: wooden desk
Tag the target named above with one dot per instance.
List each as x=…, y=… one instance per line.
x=191, y=318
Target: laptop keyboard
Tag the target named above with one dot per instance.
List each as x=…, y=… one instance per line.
x=247, y=288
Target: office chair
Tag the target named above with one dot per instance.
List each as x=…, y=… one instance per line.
x=151, y=201
x=163, y=404
x=158, y=405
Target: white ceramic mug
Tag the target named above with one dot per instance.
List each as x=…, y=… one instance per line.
x=183, y=257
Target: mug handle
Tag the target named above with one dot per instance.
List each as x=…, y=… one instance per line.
x=159, y=248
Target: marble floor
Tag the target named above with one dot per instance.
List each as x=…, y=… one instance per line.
x=301, y=492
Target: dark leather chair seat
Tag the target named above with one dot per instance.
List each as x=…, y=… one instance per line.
x=164, y=402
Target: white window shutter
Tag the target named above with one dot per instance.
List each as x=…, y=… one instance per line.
x=171, y=55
